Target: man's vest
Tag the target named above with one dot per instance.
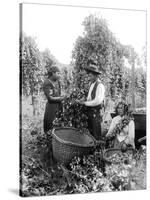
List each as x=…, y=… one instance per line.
x=93, y=94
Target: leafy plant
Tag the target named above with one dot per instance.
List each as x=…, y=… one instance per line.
x=73, y=114
x=30, y=67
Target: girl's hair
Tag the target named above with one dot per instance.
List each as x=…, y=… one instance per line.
x=125, y=107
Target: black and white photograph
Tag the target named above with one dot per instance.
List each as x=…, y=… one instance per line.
x=83, y=99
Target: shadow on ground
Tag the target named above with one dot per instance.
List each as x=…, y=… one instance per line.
x=14, y=191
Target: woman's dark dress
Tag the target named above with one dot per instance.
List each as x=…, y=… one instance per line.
x=51, y=89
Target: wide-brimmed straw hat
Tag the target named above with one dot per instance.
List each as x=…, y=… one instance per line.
x=93, y=69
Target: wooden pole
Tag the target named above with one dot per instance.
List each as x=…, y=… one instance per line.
x=133, y=84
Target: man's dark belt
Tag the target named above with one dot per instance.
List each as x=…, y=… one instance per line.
x=95, y=108
x=53, y=102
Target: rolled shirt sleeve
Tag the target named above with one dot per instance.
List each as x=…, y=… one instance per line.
x=99, y=97
x=131, y=133
x=132, y=129
x=111, y=128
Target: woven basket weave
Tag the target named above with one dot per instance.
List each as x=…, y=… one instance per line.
x=68, y=143
x=110, y=152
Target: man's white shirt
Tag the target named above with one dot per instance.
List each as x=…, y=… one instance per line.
x=99, y=97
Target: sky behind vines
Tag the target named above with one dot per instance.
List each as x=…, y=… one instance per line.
x=57, y=27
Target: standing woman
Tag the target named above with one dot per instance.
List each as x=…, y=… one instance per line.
x=52, y=91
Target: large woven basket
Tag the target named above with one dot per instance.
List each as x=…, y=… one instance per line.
x=109, y=152
x=69, y=142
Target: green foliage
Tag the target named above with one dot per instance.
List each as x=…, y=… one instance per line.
x=140, y=81
x=99, y=45
x=73, y=114
x=140, y=87
x=30, y=66
x=67, y=80
x=38, y=182
x=93, y=174
x=89, y=174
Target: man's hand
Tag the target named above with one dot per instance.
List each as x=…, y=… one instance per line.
x=124, y=147
x=80, y=102
x=127, y=141
x=109, y=136
x=64, y=97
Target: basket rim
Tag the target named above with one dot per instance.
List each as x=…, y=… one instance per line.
x=114, y=149
x=71, y=143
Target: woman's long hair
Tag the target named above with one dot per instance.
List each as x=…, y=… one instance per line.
x=127, y=109
x=124, y=106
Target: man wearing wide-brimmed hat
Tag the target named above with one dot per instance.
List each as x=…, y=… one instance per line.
x=94, y=101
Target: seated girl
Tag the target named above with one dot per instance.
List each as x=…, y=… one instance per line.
x=122, y=128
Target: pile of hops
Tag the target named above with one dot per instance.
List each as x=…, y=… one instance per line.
x=89, y=174
x=124, y=172
x=120, y=157
x=73, y=114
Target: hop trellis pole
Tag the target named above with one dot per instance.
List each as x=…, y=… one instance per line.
x=133, y=84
